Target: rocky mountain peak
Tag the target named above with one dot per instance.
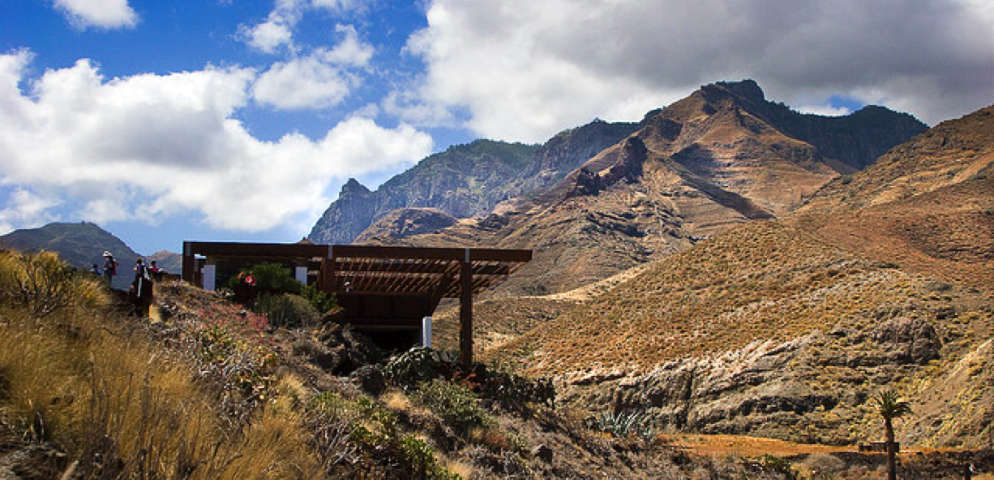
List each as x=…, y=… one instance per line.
x=747, y=89
x=353, y=187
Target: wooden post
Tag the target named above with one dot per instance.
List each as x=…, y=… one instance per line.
x=188, y=264
x=466, y=312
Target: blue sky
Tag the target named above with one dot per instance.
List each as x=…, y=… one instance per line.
x=223, y=119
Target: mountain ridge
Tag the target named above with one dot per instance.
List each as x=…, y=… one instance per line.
x=693, y=168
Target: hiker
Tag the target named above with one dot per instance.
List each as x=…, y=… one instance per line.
x=95, y=270
x=110, y=267
x=141, y=289
x=155, y=271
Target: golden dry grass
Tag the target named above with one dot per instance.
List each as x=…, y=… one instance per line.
x=81, y=379
x=762, y=281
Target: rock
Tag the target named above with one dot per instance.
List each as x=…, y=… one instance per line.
x=908, y=340
x=542, y=452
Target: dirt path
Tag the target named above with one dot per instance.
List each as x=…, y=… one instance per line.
x=746, y=446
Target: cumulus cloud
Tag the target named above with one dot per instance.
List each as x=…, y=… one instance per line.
x=318, y=80
x=524, y=69
x=26, y=209
x=277, y=30
x=267, y=36
x=145, y=146
x=98, y=13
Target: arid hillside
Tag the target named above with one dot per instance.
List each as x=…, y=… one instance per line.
x=928, y=205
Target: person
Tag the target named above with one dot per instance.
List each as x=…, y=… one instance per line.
x=141, y=288
x=95, y=269
x=110, y=267
x=155, y=271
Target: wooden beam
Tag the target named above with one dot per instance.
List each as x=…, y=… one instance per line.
x=493, y=254
x=466, y=312
x=290, y=250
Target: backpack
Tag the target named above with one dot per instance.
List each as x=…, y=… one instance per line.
x=113, y=266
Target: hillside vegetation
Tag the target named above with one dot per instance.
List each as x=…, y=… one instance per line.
x=206, y=389
x=762, y=281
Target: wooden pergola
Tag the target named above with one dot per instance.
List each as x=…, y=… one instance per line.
x=382, y=287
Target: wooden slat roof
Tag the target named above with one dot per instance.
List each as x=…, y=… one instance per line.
x=384, y=269
x=416, y=270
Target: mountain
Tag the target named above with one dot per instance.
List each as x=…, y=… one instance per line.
x=463, y=181
x=466, y=180
x=79, y=244
x=171, y=262
x=718, y=158
x=881, y=279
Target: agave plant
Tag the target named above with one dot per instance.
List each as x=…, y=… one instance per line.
x=623, y=424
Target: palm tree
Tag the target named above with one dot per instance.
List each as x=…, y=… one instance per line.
x=890, y=408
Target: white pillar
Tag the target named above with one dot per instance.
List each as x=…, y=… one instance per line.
x=300, y=273
x=209, y=274
x=426, y=332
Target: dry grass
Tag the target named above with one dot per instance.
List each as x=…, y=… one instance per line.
x=123, y=406
x=396, y=400
x=763, y=281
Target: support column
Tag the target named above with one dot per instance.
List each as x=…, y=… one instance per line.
x=188, y=274
x=209, y=276
x=426, y=332
x=466, y=312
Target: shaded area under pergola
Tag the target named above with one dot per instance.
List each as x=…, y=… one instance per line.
x=380, y=287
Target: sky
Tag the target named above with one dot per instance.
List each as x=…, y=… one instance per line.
x=241, y=120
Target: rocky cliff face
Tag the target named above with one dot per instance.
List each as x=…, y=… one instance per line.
x=467, y=180
x=404, y=222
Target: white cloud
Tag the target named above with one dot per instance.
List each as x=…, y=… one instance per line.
x=524, y=69
x=25, y=209
x=825, y=110
x=99, y=13
x=351, y=50
x=318, y=80
x=277, y=30
x=149, y=145
x=267, y=36
x=301, y=83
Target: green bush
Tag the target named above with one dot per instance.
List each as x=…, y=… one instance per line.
x=287, y=310
x=269, y=278
x=321, y=301
x=456, y=404
x=274, y=279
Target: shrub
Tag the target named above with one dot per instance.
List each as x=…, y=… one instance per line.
x=44, y=284
x=321, y=301
x=419, y=365
x=456, y=404
x=272, y=278
x=287, y=310
x=375, y=437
